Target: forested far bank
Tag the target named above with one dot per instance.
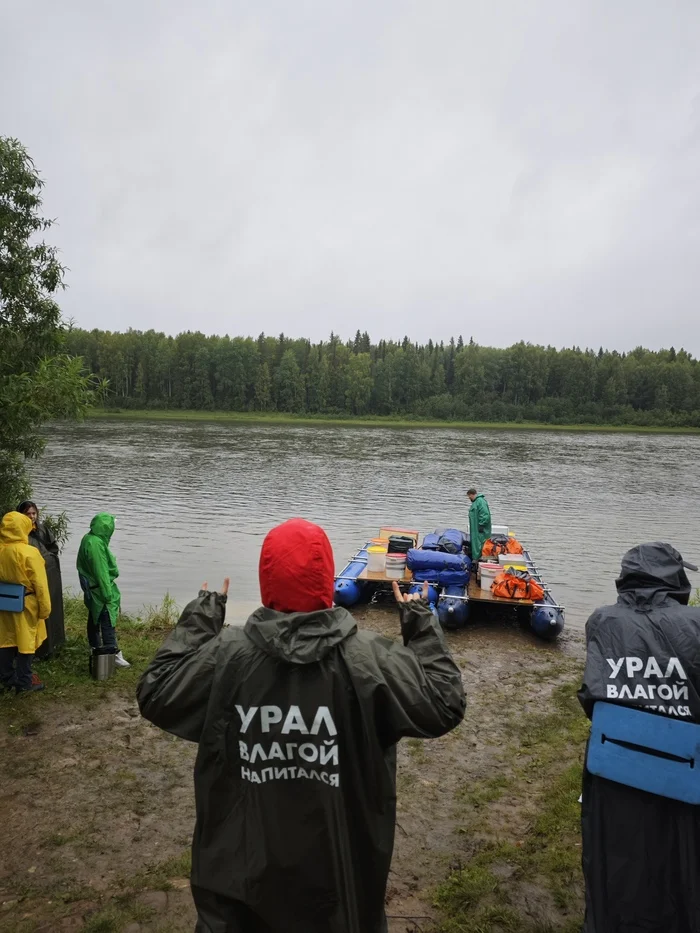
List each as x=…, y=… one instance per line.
x=456, y=381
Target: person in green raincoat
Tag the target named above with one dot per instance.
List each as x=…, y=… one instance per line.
x=97, y=572
x=479, y=522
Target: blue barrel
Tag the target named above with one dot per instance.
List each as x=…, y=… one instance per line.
x=547, y=621
x=546, y=618
x=453, y=613
x=348, y=589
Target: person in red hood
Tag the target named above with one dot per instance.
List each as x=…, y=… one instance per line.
x=297, y=569
x=297, y=715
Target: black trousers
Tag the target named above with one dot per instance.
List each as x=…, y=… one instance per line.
x=15, y=668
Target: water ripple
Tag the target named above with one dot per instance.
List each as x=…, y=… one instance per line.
x=194, y=501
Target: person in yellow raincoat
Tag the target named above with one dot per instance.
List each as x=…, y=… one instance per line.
x=21, y=633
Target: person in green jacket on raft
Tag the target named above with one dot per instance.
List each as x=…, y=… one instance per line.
x=479, y=522
x=97, y=572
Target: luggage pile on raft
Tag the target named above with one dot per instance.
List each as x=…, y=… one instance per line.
x=505, y=575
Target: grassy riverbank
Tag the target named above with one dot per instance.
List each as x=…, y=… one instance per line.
x=525, y=877
x=67, y=676
x=99, y=804
x=279, y=418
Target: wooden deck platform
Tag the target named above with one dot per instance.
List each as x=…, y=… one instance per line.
x=474, y=591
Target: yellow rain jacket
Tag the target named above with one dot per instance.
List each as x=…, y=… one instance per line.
x=22, y=563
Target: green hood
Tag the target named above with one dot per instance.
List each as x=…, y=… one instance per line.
x=299, y=637
x=102, y=525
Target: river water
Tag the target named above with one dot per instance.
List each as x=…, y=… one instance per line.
x=194, y=500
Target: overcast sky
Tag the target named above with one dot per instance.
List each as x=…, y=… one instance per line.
x=508, y=170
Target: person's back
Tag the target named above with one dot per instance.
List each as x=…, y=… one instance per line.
x=641, y=852
x=97, y=566
x=44, y=540
x=21, y=633
x=297, y=716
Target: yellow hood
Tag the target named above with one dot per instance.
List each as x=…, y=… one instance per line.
x=15, y=528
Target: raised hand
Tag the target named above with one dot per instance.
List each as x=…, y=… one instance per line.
x=402, y=598
x=224, y=586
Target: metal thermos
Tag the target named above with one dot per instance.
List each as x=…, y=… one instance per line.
x=102, y=663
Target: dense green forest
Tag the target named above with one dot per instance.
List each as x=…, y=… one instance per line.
x=453, y=381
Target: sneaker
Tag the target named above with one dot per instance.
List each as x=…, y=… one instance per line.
x=34, y=688
x=35, y=679
x=120, y=660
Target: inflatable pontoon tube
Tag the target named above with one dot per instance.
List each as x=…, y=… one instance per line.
x=348, y=589
x=453, y=607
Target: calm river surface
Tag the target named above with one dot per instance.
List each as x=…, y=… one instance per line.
x=194, y=500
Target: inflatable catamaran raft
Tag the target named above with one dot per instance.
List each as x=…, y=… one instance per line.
x=506, y=577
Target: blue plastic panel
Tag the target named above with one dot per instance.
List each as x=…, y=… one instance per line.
x=646, y=765
x=11, y=597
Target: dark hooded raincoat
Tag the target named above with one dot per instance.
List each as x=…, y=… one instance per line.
x=45, y=541
x=641, y=852
x=297, y=718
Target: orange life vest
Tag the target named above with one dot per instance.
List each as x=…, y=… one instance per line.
x=517, y=585
x=501, y=545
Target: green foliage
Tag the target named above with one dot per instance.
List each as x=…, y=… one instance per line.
x=14, y=482
x=290, y=384
x=39, y=381
x=454, y=382
x=695, y=598
x=59, y=525
x=262, y=398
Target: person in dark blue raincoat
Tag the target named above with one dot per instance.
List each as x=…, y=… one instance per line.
x=641, y=851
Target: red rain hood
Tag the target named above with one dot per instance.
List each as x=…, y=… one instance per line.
x=297, y=571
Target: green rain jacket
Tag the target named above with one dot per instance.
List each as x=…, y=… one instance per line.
x=97, y=569
x=479, y=525
x=297, y=718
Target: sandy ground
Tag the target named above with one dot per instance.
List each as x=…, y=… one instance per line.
x=97, y=805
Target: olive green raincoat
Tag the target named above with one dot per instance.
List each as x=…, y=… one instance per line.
x=297, y=717
x=97, y=569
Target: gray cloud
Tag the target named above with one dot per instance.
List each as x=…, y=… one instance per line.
x=505, y=170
